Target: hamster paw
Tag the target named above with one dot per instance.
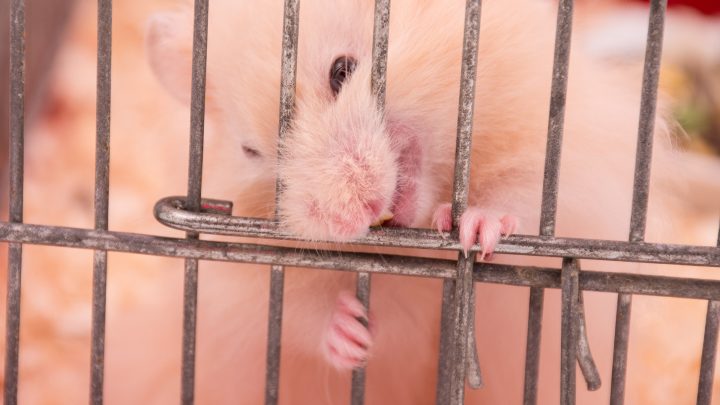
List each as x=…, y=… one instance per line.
x=347, y=341
x=477, y=225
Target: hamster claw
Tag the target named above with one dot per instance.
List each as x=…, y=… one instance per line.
x=477, y=225
x=347, y=341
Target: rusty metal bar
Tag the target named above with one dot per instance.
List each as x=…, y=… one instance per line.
x=466, y=107
x=102, y=191
x=463, y=310
x=558, y=94
x=272, y=370
x=709, y=352
x=584, y=355
x=532, y=351
x=622, y=337
x=453, y=356
x=569, y=334
x=651, y=73
x=195, y=160
x=17, y=131
x=171, y=212
x=327, y=259
x=288, y=76
x=197, y=106
x=473, y=372
x=381, y=30
x=442, y=390
x=189, y=323
x=357, y=390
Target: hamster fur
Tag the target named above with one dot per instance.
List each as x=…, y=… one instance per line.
x=344, y=163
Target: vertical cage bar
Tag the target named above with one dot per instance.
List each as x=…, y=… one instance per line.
x=197, y=128
x=189, y=322
x=102, y=180
x=17, y=120
x=709, y=351
x=584, y=356
x=462, y=311
x=466, y=107
x=620, y=349
x=357, y=391
x=272, y=370
x=651, y=73
x=569, y=332
x=453, y=359
x=288, y=74
x=473, y=372
x=532, y=352
x=442, y=392
x=558, y=94
x=288, y=69
x=381, y=29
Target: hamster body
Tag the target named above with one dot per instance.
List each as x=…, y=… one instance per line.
x=344, y=164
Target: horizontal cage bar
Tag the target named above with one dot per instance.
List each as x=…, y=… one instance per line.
x=170, y=212
x=372, y=263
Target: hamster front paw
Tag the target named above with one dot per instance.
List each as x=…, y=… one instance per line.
x=477, y=225
x=347, y=341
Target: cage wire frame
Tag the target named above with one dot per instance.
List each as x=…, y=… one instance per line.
x=458, y=358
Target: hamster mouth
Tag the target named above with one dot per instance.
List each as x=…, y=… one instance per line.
x=404, y=205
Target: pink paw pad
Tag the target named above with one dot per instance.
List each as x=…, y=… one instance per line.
x=347, y=340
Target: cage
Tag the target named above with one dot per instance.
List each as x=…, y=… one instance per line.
x=458, y=361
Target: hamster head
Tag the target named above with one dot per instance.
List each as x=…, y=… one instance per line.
x=338, y=166
x=343, y=164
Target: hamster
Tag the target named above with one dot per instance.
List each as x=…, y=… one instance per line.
x=344, y=165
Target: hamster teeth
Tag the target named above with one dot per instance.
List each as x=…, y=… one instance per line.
x=386, y=216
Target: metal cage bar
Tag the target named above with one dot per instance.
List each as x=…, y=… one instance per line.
x=584, y=356
x=17, y=133
x=620, y=349
x=568, y=341
x=444, y=371
x=272, y=368
x=357, y=387
x=709, y=352
x=288, y=74
x=473, y=373
x=102, y=191
x=532, y=350
x=381, y=31
x=170, y=211
x=558, y=94
x=526, y=276
x=197, y=128
x=651, y=73
x=455, y=341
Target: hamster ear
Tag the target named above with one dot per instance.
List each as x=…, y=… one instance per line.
x=168, y=44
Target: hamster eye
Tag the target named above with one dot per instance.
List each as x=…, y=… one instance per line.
x=341, y=69
x=250, y=152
